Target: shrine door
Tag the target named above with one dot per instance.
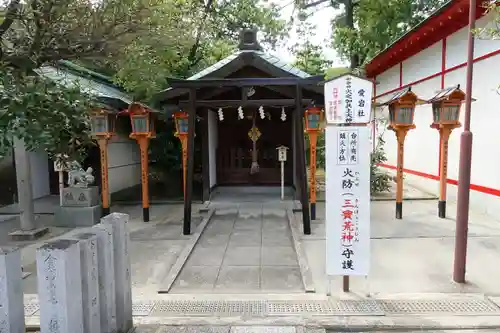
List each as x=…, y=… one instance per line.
x=234, y=152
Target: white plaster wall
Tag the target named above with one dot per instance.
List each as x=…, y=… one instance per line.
x=422, y=143
x=456, y=48
x=423, y=64
x=388, y=80
x=39, y=174
x=212, y=144
x=124, y=161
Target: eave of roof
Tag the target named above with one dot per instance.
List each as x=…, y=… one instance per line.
x=451, y=17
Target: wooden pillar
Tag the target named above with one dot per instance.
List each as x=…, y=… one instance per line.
x=444, y=135
x=301, y=159
x=190, y=162
x=400, y=135
x=103, y=148
x=144, y=146
x=205, y=151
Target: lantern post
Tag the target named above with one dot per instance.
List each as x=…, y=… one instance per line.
x=401, y=117
x=142, y=121
x=181, y=131
x=102, y=129
x=314, y=119
x=446, y=114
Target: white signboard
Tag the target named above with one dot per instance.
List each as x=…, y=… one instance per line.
x=282, y=153
x=347, y=200
x=348, y=99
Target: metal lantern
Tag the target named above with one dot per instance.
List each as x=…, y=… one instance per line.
x=142, y=120
x=102, y=123
x=181, y=123
x=314, y=119
x=446, y=106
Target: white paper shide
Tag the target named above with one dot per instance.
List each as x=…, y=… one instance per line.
x=348, y=100
x=348, y=200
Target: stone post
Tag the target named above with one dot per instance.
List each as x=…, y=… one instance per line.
x=60, y=287
x=123, y=285
x=90, y=285
x=106, y=273
x=11, y=291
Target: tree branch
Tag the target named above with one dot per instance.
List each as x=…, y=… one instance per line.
x=194, y=48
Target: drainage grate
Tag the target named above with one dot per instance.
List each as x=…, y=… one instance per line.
x=324, y=307
x=255, y=308
x=464, y=307
x=30, y=308
x=142, y=308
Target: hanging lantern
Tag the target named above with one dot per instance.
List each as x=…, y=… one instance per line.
x=261, y=112
x=241, y=115
x=221, y=115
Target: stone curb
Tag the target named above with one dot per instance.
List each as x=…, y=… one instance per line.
x=305, y=270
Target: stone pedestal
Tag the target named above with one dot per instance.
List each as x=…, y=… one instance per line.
x=90, y=285
x=60, y=286
x=106, y=274
x=80, y=207
x=11, y=291
x=123, y=284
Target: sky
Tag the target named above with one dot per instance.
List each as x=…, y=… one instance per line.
x=322, y=19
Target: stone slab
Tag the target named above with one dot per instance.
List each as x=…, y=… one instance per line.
x=11, y=294
x=279, y=256
x=305, y=269
x=60, y=286
x=106, y=272
x=207, y=256
x=184, y=255
x=72, y=217
x=281, y=278
x=28, y=235
x=238, y=278
x=197, y=278
x=80, y=197
x=242, y=256
x=263, y=329
x=122, y=266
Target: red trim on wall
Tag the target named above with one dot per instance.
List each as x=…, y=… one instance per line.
x=473, y=187
x=443, y=62
x=486, y=56
x=446, y=21
x=400, y=74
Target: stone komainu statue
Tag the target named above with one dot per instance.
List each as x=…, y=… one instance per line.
x=77, y=177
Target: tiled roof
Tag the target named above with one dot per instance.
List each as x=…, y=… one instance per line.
x=271, y=59
x=88, y=86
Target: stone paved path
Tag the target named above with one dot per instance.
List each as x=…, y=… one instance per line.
x=245, y=250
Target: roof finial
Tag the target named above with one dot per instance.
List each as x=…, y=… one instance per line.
x=248, y=40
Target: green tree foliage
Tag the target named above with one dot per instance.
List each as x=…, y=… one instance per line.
x=47, y=116
x=375, y=24
x=190, y=35
x=40, y=32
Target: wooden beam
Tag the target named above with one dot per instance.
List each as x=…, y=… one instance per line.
x=247, y=82
x=301, y=159
x=190, y=163
x=205, y=151
x=249, y=102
